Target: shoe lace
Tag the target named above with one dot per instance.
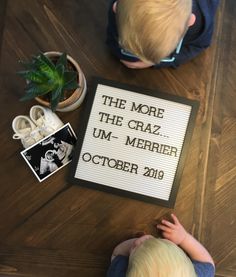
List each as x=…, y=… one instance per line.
x=46, y=129
x=45, y=125
x=33, y=134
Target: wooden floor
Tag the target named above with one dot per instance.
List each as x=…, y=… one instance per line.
x=59, y=229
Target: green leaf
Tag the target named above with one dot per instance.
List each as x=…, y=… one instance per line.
x=70, y=80
x=60, y=69
x=33, y=76
x=71, y=85
x=43, y=64
x=33, y=90
x=46, y=86
x=27, y=96
x=27, y=65
x=70, y=76
x=56, y=93
x=55, y=98
x=62, y=60
x=47, y=60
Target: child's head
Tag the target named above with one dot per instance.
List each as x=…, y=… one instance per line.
x=152, y=29
x=159, y=258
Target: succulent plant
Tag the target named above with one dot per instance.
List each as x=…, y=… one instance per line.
x=44, y=77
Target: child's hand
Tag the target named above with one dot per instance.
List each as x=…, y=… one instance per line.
x=174, y=232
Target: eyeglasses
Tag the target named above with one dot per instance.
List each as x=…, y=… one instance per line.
x=171, y=58
x=168, y=59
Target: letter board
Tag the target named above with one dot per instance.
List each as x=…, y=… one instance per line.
x=133, y=142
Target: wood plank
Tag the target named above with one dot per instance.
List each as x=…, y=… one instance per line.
x=26, y=261
x=3, y=6
x=220, y=209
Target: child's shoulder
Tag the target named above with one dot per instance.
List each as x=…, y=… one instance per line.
x=118, y=266
x=209, y=6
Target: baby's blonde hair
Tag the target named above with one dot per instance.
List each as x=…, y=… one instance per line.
x=159, y=258
x=151, y=29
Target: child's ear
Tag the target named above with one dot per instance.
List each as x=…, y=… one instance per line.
x=114, y=7
x=192, y=20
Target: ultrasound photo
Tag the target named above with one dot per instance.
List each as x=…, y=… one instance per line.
x=52, y=153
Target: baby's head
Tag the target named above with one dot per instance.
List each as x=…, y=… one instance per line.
x=49, y=155
x=152, y=29
x=158, y=257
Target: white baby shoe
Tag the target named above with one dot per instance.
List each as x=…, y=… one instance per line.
x=25, y=130
x=46, y=120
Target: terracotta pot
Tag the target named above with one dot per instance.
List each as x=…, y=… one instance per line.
x=76, y=99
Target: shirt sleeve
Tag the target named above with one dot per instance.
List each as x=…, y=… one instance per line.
x=118, y=266
x=204, y=269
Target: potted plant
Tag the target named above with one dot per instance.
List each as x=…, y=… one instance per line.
x=55, y=80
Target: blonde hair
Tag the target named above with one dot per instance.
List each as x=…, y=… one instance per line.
x=151, y=29
x=159, y=258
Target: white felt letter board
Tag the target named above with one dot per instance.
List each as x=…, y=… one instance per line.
x=133, y=142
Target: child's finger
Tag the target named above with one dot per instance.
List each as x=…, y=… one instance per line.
x=164, y=228
x=176, y=221
x=168, y=223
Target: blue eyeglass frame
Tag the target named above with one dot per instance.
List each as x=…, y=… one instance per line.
x=165, y=60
